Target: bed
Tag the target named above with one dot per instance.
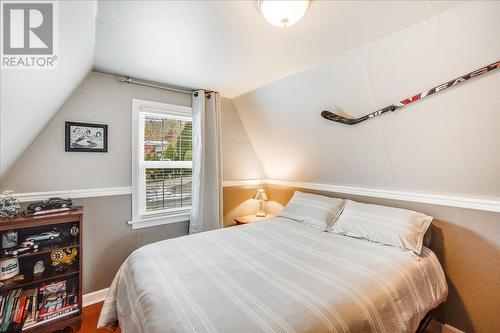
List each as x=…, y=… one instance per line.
x=273, y=276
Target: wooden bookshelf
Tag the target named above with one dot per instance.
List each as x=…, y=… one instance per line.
x=29, y=225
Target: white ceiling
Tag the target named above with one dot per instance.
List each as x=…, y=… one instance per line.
x=221, y=45
x=30, y=98
x=228, y=46
x=446, y=144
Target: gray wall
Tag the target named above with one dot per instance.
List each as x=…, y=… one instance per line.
x=45, y=166
x=108, y=239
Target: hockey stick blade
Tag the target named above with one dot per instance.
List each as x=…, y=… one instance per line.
x=353, y=121
x=339, y=119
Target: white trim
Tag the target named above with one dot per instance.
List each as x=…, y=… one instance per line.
x=446, y=328
x=489, y=205
x=243, y=182
x=158, y=220
x=437, y=327
x=140, y=106
x=94, y=297
x=168, y=164
x=74, y=194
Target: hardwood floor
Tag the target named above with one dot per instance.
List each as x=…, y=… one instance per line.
x=90, y=317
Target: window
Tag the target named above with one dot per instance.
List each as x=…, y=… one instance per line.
x=162, y=163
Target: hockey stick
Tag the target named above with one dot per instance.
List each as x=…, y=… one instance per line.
x=353, y=121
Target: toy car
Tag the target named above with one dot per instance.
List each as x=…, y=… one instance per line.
x=48, y=205
x=44, y=236
x=23, y=247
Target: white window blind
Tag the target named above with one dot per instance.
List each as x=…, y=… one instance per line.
x=163, y=159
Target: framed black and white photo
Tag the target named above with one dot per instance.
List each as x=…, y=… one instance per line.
x=86, y=137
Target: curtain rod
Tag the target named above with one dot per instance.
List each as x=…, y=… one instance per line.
x=127, y=79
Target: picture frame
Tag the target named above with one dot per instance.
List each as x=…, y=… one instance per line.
x=85, y=137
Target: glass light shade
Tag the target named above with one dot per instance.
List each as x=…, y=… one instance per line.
x=283, y=13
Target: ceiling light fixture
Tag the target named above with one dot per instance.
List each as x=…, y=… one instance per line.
x=283, y=13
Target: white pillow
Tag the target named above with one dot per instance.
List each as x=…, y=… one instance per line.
x=387, y=225
x=315, y=210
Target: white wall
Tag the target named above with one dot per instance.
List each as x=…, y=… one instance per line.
x=31, y=97
x=239, y=158
x=448, y=143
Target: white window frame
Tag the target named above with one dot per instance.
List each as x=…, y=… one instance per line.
x=141, y=218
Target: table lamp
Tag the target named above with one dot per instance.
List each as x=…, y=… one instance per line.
x=261, y=196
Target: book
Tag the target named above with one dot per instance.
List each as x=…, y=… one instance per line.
x=51, y=301
x=34, y=324
x=2, y=307
x=33, y=307
x=8, y=306
x=57, y=313
x=20, y=308
x=24, y=316
x=52, y=297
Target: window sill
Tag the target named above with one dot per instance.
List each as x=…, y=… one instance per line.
x=159, y=220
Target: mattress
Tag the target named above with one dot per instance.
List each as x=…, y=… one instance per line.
x=272, y=276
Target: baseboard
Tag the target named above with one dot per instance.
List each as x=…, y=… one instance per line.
x=450, y=329
x=436, y=327
x=95, y=297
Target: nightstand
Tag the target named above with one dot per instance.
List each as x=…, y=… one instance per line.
x=251, y=218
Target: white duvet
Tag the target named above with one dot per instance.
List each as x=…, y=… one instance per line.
x=272, y=276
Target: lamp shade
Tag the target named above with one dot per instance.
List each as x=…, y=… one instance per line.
x=261, y=195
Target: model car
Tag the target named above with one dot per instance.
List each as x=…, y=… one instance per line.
x=51, y=204
x=23, y=247
x=44, y=236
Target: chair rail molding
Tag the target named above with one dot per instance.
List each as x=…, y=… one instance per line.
x=74, y=194
x=241, y=182
x=490, y=205
x=104, y=191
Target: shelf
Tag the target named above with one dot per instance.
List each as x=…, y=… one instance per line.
x=53, y=321
x=30, y=280
x=58, y=324
x=44, y=250
x=22, y=222
x=27, y=225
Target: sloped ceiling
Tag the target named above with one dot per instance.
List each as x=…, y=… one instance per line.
x=221, y=45
x=229, y=47
x=30, y=98
x=448, y=143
